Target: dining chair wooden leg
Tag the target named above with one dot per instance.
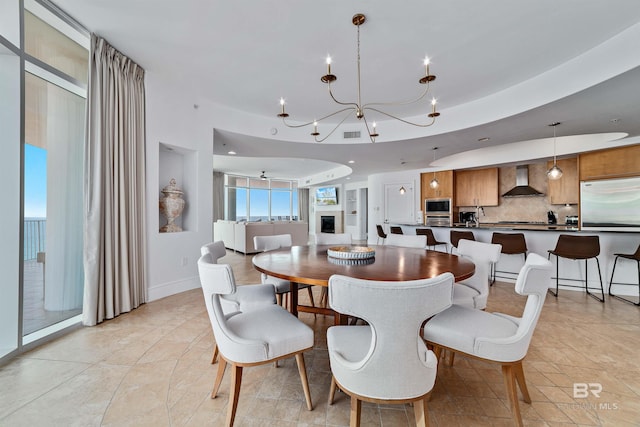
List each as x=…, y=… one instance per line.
x=356, y=407
x=437, y=351
x=236, y=382
x=323, y=297
x=452, y=356
x=303, y=378
x=216, y=385
x=313, y=304
x=279, y=299
x=214, y=359
x=522, y=382
x=421, y=412
x=510, y=383
x=332, y=390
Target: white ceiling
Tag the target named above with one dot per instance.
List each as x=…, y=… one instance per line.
x=504, y=70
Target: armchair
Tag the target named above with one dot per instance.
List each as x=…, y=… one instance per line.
x=245, y=298
x=385, y=361
x=496, y=337
x=250, y=338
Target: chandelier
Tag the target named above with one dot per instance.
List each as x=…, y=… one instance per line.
x=358, y=108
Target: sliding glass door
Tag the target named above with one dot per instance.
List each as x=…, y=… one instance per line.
x=10, y=112
x=43, y=84
x=54, y=135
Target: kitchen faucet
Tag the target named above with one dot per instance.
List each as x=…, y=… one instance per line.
x=476, y=218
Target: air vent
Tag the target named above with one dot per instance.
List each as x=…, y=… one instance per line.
x=352, y=134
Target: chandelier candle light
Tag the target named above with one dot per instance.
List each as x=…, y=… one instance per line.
x=358, y=107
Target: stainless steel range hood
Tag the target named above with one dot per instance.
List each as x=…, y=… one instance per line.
x=522, y=188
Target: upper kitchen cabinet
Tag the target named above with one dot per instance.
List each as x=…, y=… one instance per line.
x=621, y=162
x=565, y=190
x=477, y=187
x=445, y=185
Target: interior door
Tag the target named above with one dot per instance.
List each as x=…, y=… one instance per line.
x=399, y=207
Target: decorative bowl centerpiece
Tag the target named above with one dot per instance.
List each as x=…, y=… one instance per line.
x=351, y=252
x=342, y=261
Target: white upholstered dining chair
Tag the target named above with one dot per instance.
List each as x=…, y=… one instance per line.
x=406, y=240
x=246, y=297
x=385, y=361
x=496, y=337
x=333, y=238
x=250, y=338
x=283, y=287
x=474, y=291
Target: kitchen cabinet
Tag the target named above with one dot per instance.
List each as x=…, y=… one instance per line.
x=621, y=162
x=477, y=187
x=444, y=189
x=566, y=189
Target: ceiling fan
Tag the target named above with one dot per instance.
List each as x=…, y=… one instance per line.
x=263, y=176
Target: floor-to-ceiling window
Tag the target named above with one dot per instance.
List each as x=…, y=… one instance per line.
x=56, y=68
x=44, y=63
x=253, y=199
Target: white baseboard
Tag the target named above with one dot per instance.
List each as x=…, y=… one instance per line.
x=171, y=288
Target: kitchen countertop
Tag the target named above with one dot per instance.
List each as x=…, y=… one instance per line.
x=532, y=226
x=520, y=226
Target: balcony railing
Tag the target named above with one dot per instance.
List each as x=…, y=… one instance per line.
x=34, y=232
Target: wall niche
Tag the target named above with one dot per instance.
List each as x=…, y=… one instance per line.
x=180, y=164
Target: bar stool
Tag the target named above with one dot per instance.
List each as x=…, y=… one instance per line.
x=396, y=230
x=635, y=257
x=381, y=234
x=512, y=244
x=431, y=239
x=578, y=248
x=455, y=236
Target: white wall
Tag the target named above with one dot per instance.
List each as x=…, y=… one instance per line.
x=376, y=195
x=173, y=120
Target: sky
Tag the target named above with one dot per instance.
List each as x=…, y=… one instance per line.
x=35, y=182
x=259, y=200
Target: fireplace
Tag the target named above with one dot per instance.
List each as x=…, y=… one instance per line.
x=327, y=224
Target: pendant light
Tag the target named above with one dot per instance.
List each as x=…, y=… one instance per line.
x=555, y=172
x=402, y=190
x=434, y=182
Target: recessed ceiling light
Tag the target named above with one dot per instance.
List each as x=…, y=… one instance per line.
x=348, y=177
x=233, y=153
x=483, y=139
x=352, y=161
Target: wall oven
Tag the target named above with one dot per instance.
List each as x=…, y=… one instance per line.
x=438, y=212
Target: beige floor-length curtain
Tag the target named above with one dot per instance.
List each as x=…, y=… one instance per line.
x=303, y=204
x=218, y=196
x=114, y=223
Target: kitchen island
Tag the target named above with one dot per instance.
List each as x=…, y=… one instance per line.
x=540, y=238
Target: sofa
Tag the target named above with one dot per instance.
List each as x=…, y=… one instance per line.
x=238, y=236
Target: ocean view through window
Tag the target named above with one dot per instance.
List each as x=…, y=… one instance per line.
x=252, y=199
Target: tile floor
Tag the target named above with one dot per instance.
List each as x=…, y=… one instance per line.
x=152, y=367
x=34, y=315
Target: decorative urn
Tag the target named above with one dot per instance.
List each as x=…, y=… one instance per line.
x=171, y=206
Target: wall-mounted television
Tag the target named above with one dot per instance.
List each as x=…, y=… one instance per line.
x=326, y=196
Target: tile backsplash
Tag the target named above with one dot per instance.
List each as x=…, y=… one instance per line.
x=531, y=209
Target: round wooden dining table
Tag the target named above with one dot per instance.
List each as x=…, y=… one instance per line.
x=312, y=266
